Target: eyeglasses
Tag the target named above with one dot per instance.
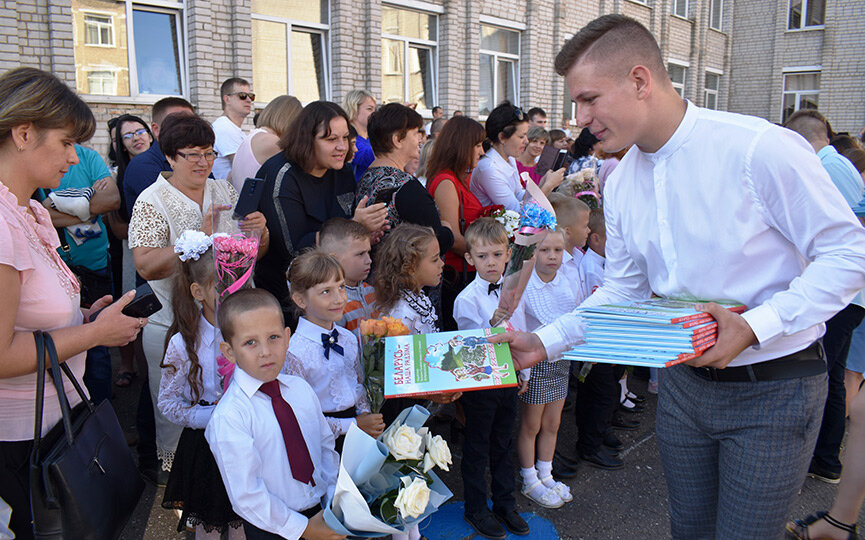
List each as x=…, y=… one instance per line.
x=136, y=133
x=195, y=157
x=243, y=95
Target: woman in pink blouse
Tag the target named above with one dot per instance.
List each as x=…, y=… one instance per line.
x=41, y=119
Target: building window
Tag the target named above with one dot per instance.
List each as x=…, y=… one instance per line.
x=98, y=30
x=129, y=49
x=716, y=10
x=801, y=91
x=409, y=40
x=499, y=67
x=677, y=75
x=805, y=13
x=289, y=49
x=710, y=90
x=680, y=8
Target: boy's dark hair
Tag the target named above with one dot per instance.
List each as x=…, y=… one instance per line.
x=536, y=111
x=485, y=230
x=338, y=229
x=243, y=301
x=298, y=143
x=228, y=87
x=389, y=120
x=597, y=225
x=182, y=131
x=160, y=108
x=616, y=42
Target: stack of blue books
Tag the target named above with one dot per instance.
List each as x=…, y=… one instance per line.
x=658, y=332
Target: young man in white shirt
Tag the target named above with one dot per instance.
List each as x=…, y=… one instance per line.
x=237, y=102
x=710, y=204
x=276, y=458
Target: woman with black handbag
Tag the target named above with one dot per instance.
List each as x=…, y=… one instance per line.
x=41, y=119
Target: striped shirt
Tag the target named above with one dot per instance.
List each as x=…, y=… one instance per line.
x=361, y=305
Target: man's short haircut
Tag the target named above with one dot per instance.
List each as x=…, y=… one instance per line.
x=160, y=108
x=241, y=302
x=536, y=111
x=389, y=120
x=615, y=41
x=436, y=127
x=810, y=124
x=457, y=113
x=298, y=143
x=566, y=208
x=436, y=109
x=537, y=132
x=857, y=157
x=843, y=142
x=485, y=230
x=228, y=87
x=182, y=131
x=597, y=225
x=336, y=230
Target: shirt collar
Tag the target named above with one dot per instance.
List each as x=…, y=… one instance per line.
x=591, y=255
x=250, y=384
x=826, y=151
x=493, y=154
x=311, y=330
x=679, y=136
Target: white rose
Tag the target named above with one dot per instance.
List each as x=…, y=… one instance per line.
x=413, y=497
x=404, y=443
x=437, y=449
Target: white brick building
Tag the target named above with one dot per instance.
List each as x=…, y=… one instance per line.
x=123, y=55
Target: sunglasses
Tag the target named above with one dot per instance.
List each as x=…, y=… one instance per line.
x=131, y=134
x=243, y=95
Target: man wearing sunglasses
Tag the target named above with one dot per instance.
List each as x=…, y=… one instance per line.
x=237, y=102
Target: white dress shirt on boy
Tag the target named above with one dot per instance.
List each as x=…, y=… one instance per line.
x=592, y=270
x=336, y=380
x=731, y=207
x=571, y=268
x=247, y=442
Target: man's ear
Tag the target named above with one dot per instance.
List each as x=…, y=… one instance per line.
x=227, y=351
x=641, y=77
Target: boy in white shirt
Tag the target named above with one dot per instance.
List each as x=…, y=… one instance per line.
x=268, y=434
x=572, y=217
x=490, y=414
x=592, y=263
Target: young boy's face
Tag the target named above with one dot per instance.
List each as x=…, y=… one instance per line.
x=489, y=260
x=353, y=256
x=259, y=343
x=576, y=232
x=548, y=257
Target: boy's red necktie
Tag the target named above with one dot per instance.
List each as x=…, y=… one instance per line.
x=295, y=445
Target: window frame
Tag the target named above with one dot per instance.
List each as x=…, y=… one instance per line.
x=803, y=26
x=323, y=30
x=178, y=9
x=498, y=56
x=98, y=25
x=408, y=42
x=685, y=67
x=719, y=24
x=800, y=70
x=674, y=8
x=716, y=92
x=101, y=69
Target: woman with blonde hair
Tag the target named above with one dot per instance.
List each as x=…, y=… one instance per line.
x=41, y=119
x=359, y=104
x=263, y=142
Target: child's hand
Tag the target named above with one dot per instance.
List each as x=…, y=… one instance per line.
x=372, y=424
x=317, y=529
x=498, y=315
x=524, y=387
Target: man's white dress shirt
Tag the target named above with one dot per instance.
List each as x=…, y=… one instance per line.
x=730, y=207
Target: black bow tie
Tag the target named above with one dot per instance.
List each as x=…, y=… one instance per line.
x=330, y=341
x=494, y=287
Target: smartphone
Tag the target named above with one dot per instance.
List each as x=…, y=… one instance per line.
x=546, y=160
x=250, y=195
x=562, y=160
x=144, y=304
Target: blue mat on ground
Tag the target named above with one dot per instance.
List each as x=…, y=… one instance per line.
x=448, y=524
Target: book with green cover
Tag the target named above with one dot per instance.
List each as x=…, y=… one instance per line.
x=443, y=362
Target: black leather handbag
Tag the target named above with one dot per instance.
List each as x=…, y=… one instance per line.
x=83, y=480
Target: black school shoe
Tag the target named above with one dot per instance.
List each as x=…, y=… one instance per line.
x=486, y=525
x=512, y=521
x=564, y=468
x=603, y=459
x=612, y=442
x=627, y=424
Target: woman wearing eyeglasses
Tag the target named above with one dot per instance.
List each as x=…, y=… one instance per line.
x=175, y=202
x=496, y=179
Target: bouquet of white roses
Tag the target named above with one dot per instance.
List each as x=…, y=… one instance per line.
x=508, y=218
x=386, y=486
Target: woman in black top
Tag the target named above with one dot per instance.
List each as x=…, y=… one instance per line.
x=394, y=133
x=305, y=185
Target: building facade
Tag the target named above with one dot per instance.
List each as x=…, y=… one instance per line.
x=468, y=55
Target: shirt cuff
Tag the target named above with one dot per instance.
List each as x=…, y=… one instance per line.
x=201, y=415
x=764, y=322
x=294, y=527
x=553, y=340
x=525, y=374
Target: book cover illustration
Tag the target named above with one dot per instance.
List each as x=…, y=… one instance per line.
x=457, y=361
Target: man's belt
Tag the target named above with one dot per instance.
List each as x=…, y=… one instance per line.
x=805, y=363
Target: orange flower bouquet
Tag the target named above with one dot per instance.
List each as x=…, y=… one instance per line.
x=373, y=332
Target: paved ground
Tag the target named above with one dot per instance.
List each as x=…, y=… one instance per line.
x=624, y=504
